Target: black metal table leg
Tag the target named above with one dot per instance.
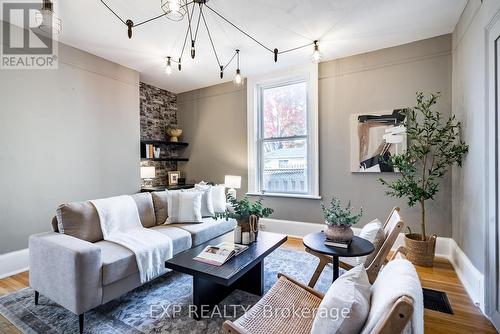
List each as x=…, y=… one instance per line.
x=335, y=267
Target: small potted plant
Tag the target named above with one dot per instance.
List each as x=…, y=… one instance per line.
x=434, y=145
x=246, y=213
x=340, y=220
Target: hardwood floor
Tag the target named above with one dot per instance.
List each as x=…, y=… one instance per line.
x=467, y=318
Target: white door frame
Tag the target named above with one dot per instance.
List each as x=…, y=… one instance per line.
x=492, y=302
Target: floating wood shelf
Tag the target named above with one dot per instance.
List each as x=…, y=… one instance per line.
x=165, y=159
x=165, y=143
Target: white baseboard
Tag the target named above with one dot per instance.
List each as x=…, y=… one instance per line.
x=14, y=263
x=471, y=278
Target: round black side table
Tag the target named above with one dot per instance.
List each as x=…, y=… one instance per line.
x=357, y=247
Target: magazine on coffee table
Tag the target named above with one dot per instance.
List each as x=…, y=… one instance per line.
x=220, y=254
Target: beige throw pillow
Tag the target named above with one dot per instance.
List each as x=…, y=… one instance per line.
x=160, y=206
x=346, y=305
x=80, y=220
x=146, y=209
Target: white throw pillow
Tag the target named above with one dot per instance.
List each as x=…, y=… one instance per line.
x=184, y=207
x=374, y=233
x=346, y=305
x=207, y=207
x=219, y=198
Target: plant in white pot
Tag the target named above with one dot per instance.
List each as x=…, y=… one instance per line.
x=434, y=145
x=340, y=220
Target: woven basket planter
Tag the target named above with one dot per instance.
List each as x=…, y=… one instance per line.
x=420, y=253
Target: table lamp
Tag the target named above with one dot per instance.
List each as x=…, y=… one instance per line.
x=232, y=182
x=148, y=173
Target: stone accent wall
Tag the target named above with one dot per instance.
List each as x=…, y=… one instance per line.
x=158, y=110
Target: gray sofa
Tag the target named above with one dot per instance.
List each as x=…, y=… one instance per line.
x=74, y=267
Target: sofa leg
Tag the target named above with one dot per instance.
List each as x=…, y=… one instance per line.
x=37, y=294
x=80, y=320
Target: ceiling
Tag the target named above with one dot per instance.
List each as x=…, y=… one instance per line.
x=344, y=27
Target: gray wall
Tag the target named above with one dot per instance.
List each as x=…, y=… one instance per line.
x=65, y=135
x=469, y=105
x=214, y=122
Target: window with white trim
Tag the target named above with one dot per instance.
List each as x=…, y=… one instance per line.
x=283, y=134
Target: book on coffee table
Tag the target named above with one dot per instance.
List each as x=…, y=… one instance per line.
x=338, y=244
x=220, y=254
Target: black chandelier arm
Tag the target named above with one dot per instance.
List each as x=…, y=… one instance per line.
x=198, y=23
x=112, y=11
x=296, y=48
x=149, y=20
x=210, y=38
x=239, y=29
x=188, y=31
x=230, y=61
x=145, y=21
x=189, y=24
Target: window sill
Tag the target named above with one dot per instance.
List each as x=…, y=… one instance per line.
x=284, y=195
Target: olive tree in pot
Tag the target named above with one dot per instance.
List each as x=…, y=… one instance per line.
x=434, y=145
x=339, y=221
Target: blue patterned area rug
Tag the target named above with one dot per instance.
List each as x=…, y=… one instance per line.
x=161, y=306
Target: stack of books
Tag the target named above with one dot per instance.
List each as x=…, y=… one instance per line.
x=339, y=244
x=147, y=151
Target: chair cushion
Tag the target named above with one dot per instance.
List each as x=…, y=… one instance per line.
x=119, y=262
x=184, y=207
x=349, y=298
x=398, y=278
x=144, y=203
x=80, y=220
x=208, y=229
x=374, y=233
x=160, y=206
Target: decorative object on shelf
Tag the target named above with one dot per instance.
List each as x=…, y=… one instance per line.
x=232, y=182
x=374, y=138
x=173, y=178
x=47, y=21
x=174, y=134
x=176, y=10
x=339, y=221
x=148, y=173
x=156, y=151
x=434, y=145
x=247, y=214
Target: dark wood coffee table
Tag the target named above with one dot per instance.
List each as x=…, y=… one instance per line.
x=211, y=284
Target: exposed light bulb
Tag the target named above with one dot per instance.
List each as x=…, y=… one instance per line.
x=173, y=9
x=238, y=80
x=316, y=56
x=168, y=69
x=179, y=66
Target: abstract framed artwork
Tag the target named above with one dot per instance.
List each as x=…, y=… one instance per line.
x=374, y=138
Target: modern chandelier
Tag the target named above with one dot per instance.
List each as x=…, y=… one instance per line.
x=176, y=10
